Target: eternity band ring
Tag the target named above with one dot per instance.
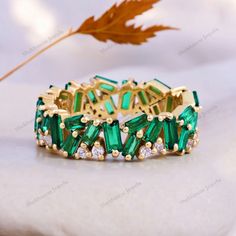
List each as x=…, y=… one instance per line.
x=101, y=120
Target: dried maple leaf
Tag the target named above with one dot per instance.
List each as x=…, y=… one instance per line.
x=112, y=25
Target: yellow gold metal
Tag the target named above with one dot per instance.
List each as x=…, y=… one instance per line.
x=154, y=151
x=89, y=155
x=97, y=144
x=150, y=117
x=42, y=108
x=39, y=119
x=101, y=158
x=188, y=149
x=189, y=126
x=115, y=153
x=45, y=133
x=139, y=134
x=125, y=129
x=62, y=126
x=178, y=91
x=141, y=157
x=46, y=113
x=41, y=143
x=180, y=122
x=83, y=145
x=65, y=154
x=180, y=153
x=109, y=120
x=198, y=109
x=163, y=152
x=148, y=144
x=165, y=115
x=128, y=157
x=103, y=101
x=96, y=122
x=159, y=140
x=84, y=119
x=176, y=147
x=75, y=134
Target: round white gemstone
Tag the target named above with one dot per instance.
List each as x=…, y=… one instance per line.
x=145, y=151
x=81, y=152
x=48, y=140
x=159, y=146
x=190, y=143
x=97, y=151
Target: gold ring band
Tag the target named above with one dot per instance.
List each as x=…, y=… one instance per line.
x=91, y=121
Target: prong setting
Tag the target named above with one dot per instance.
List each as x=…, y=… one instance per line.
x=83, y=121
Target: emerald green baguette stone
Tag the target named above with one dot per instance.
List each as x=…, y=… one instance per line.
x=153, y=131
x=78, y=102
x=109, y=107
x=38, y=114
x=90, y=135
x=74, y=122
x=71, y=144
x=131, y=145
x=126, y=81
x=92, y=97
x=105, y=79
x=56, y=131
x=38, y=135
x=187, y=114
x=170, y=133
x=137, y=123
x=169, y=104
x=185, y=133
x=45, y=124
x=155, y=90
x=162, y=83
x=193, y=122
x=107, y=87
x=156, y=110
x=196, y=99
x=126, y=100
x=67, y=86
x=143, y=97
x=183, y=139
x=39, y=102
x=112, y=136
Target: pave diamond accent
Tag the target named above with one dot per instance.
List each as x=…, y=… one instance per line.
x=97, y=151
x=82, y=153
x=159, y=147
x=145, y=151
x=47, y=140
x=190, y=144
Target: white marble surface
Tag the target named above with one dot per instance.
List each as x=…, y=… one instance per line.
x=42, y=194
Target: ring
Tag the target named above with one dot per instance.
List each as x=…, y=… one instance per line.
x=102, y=119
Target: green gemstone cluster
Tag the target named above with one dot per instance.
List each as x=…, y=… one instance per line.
x=82, y=122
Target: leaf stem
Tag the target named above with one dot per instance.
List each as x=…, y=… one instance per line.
x=66, y=35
